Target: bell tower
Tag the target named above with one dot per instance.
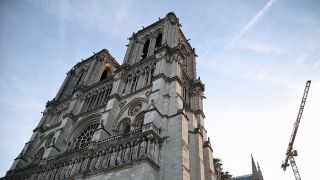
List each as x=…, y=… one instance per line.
x=143, y=119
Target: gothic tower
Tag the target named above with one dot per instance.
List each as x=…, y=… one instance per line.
x=139, y=120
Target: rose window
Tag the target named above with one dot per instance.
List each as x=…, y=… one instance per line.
x=134, y=109
x=86, y=135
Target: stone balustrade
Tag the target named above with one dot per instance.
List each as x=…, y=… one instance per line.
x=142, y=144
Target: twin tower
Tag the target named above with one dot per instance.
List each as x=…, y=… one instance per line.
x=142, y=120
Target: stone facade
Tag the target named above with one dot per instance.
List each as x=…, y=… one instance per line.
x=139, y=120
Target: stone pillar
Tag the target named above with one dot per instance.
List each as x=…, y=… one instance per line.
x=196, y=149
x=152, y=45
x=129, y=49
x=138, y=52
x=105, y=128
x=208, y=162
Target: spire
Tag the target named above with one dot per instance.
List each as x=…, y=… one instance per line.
x=255, y=174
x=253, y=164
x=259, y=172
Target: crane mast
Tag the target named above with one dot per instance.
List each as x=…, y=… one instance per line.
x=290, y=152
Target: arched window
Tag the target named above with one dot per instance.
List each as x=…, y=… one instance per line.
x=145, y=49
x=140, y=121
x=86, y=135
x=159, y=40
x=124, y=126
x=104, y=75
x=125, y=86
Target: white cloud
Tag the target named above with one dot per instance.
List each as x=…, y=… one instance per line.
x=102, y=15
x=258, y=47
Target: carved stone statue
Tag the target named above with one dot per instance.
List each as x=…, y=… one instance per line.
x=113, y=157
x=135, y=151
x=84, y=164
x=99, y=160
x=119, y=156
x=93, y=162
x=106, y=158
x=126, y=156
x=142, y=148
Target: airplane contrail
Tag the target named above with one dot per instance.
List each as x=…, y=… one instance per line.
x=253, y=21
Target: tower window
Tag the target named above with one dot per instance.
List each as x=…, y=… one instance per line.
x=104, y=75
x=158, y=40
x=79, y=79
x=145, y=49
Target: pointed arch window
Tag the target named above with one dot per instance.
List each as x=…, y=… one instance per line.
x=140, y=121
x=145, y=49
x=159, y=40
x=79, y=79
x=106, y=73
x=124, y=127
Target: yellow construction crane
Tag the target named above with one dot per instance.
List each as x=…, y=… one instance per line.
x=290, y=152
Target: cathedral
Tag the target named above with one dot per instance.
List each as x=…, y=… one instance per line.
x=139, y=120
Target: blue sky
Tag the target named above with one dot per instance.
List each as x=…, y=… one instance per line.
x=253, y=55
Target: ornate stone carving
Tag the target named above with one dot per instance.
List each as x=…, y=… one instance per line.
x=133, y=110
x=122, y=104
x=112, y=153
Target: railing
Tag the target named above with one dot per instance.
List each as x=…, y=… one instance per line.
x=118, y=151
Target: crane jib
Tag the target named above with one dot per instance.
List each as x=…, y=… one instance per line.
x=290, y=152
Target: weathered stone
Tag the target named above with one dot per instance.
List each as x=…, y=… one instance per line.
x=140, y=120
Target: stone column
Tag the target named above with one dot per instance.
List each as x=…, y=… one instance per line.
x=208, y=162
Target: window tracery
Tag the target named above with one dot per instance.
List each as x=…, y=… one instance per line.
x=49, y=139
x=86, y=135
x=38, y=155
